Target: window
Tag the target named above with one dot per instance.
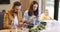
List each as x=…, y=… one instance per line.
x=59, y=12
x=50, y=7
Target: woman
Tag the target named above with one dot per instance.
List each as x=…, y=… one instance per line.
x=32, y=14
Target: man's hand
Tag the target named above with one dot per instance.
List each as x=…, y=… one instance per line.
x=20, y=24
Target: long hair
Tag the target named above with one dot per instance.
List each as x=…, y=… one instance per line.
x=31, y=12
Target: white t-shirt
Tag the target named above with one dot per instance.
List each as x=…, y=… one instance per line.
x=15, y=19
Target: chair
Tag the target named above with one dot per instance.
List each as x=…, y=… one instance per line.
x=1, y=20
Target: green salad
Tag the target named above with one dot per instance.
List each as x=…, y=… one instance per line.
x=39, y=27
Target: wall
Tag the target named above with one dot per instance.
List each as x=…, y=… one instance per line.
x=7, y=6
x=26, y=4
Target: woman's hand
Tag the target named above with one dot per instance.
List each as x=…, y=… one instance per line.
x=33, y=17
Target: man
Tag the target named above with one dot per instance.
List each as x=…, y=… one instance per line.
x=13, y=16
